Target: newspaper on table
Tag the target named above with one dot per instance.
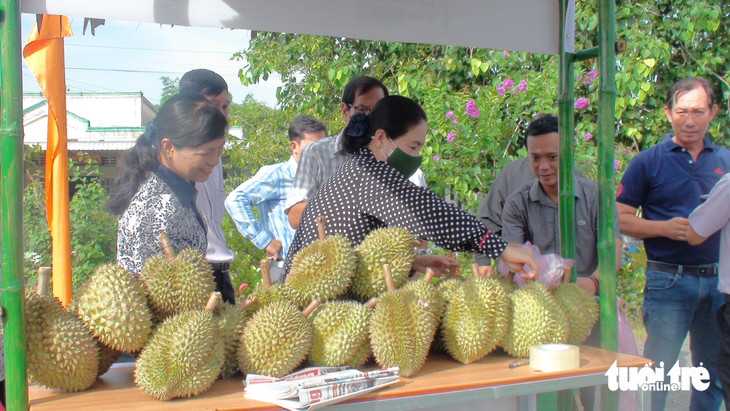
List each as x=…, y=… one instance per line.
x=316, y=387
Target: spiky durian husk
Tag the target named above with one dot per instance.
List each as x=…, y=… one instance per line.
x=536, y=319
x=339, y=333
x=321, y=270
x=62, y=352
x=495, y=295
x=465, y=328
x=263, y=296
x=448, y=286
x=581, y=310
x=392, y=246
x=182, y=284
x=183, y=358
x=276, y=339
x=427, y=292
x=194, y=277
x=159, y=279
x=107, y=357
x=401, y=331
x=114, y=306
x=231, y=322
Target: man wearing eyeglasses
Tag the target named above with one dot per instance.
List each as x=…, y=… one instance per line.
x=319, y=160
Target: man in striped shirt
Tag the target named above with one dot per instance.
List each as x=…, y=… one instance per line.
x=268, y=190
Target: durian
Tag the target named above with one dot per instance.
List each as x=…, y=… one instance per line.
x=62, y=352
x=581, y=310
x=114, y=306
x=232, y=321
x=392, y=246
x=184, y=356
x=476, y=319
x=276, y=339
x=266, y=292
x=401, y=329
x=340, y=334
x=427, y=292
x=322, y=270
x=536, y=319
x=177, y=282
x=107, y=357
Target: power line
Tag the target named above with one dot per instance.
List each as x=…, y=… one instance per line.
x=149, y=49
x=138, y=61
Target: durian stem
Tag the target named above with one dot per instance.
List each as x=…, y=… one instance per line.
x=566, y=274
x=215, y=298
x=266, y=273
x=311, y=307
x=475, y=270
x=244, y=305
x=44, y=280
x=489, y=271
x=389, y=285
x=320, y=228
x=167, y=247
x=429, y=275
x=418, y=242
x=372, y=302
x=452, y=271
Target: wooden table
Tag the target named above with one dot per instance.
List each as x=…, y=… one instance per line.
x=441, y=382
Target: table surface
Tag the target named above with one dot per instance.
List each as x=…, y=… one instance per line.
x=115, y=390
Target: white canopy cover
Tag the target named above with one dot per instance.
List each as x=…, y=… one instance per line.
x=515, y=25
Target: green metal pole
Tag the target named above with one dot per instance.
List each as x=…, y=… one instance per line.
x=606, y=234
x=11, y=206
x=566, y=197
x=566, y=121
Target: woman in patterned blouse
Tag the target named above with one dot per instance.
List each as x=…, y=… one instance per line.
x=371, y=190
x=155, y=187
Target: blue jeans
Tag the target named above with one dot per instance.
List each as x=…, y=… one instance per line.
x=675, y=304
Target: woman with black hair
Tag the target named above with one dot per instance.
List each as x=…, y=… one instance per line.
x=155, y=187
x=371, y=190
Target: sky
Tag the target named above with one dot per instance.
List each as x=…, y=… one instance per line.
x=126, y=56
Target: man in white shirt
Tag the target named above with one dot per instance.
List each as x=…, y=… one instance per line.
x=211, y=196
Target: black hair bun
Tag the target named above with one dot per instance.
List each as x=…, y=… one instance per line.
x=359, y=124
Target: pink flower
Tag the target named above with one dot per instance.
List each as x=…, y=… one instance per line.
x=592, y=74
x=436, y=158
x=616, y=165
x=579, y=79
x=581, y=103
x=483, y=151
x=587, y=136
x=500, y=89
x=505, y=53
x=522, y=86
x=508, y=84
x=587, y=82
x=450, y=114
x=242, y=287
x=471, y=109
x=450, y=137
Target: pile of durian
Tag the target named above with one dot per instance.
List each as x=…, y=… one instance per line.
x=340, y=306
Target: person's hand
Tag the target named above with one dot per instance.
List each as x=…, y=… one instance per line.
x=485, y=271
x=515, y=258
x=676, y=228
x=273, y=250
x=438, y=263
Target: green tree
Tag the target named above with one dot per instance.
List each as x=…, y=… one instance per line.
x=666, y=42
x=93, y=231
x=170, y=87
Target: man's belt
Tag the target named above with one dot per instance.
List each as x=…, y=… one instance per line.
x=696, y=270
x=220, y=266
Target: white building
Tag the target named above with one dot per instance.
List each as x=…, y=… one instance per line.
x=102, y=124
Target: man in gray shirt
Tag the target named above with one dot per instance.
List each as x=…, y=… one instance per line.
x=705, y=220
x=531, y=214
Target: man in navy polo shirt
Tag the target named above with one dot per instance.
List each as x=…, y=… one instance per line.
x=667, y=181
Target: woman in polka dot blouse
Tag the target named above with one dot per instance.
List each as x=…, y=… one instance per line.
x=371, y=190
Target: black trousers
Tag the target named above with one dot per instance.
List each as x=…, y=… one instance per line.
x=723, y=352
x=223, y=282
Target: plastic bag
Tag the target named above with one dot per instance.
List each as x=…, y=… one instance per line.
x=552, y=267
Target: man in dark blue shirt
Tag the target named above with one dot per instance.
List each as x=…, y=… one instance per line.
x=667, y=181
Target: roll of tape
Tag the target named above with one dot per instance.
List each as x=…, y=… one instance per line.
x=554, y=357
